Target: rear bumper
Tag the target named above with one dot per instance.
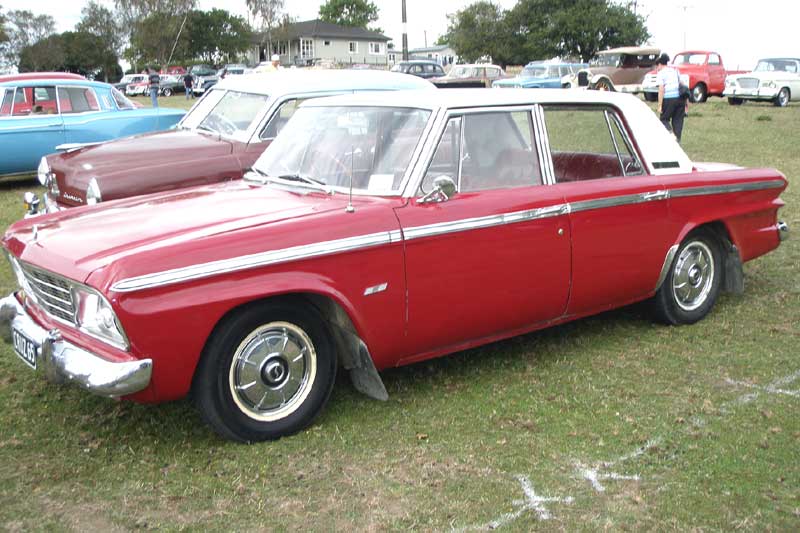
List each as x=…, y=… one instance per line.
x=61, y=361
x=783, y=230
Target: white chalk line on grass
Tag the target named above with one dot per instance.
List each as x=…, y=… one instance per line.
x=594, y=474
x=532, y=502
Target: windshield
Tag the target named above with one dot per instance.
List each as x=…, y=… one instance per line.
x=463, y=72
x=771, y=65
x=689, y=59
x=229, y=113
x=329, y=145
x=540, y=72
x=606, y=60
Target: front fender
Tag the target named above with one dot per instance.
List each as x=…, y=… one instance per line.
x=172, y=324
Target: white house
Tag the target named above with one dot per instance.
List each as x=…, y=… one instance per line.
x=304, y=43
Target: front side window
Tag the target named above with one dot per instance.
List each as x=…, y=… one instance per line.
x=484, y=151
x=369, y=147
x=588, y=143
x=77, y=100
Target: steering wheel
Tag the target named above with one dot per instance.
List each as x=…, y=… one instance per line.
x=223, y=125
x=316, y=159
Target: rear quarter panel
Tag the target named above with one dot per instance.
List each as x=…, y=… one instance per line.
x=750, y=216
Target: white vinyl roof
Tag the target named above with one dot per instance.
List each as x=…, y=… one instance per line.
x=290, y=81
x=661, y=152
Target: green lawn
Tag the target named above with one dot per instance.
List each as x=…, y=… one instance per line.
x=683, y=428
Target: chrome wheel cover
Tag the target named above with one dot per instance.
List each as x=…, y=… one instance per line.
x=693, y=276
x=272, y=371
x=783, y=97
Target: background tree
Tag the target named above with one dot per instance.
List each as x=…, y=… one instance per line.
x=99, y=21
x=3, y=34
x=23, y=28
x=79, y=52
x=480, y=30
x=268, y=15
x=216, y=36
x=359, y=13
x=154, y=27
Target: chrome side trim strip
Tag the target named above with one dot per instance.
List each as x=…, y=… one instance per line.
x=489, y=221
x=306, y=251
x=667, y=264
x=720, y=189
x=246, y=262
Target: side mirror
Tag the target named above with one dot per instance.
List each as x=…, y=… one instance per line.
x=443, y=189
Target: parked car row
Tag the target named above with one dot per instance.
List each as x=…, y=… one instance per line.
x=303, y=223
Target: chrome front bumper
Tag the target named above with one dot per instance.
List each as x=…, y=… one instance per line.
x=61, y=361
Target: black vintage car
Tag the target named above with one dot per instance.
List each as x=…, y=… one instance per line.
x=419, y=67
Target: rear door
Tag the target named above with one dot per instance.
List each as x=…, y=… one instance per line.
x=618, y=213
x=495, y=257
x=30, y=126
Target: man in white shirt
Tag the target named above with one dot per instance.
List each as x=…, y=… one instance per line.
x=671, y=107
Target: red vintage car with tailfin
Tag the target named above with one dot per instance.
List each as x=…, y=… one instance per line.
x=379, y=230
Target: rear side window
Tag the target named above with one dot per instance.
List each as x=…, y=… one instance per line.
x=121, y=101
x=588, y=143
x=77, y=100
x=5, y=105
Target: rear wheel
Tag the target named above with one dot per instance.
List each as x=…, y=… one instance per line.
x=699, y=93
x=735, y=101
x=693, y=282
x=167, y=91
x=782, y=100
x=651, y=97
x=266, y=372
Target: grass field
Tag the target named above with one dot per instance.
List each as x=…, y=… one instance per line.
x=611, y=422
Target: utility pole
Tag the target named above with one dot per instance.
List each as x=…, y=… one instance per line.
x=405, y=34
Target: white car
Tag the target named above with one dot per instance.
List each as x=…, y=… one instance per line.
x=776, y=80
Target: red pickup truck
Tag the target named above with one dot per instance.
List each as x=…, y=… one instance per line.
x=705, y=70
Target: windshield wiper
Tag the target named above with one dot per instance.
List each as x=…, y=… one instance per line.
x=307, y=180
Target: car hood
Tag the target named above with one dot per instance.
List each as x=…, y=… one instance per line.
x=74, y=169
x=130, y=237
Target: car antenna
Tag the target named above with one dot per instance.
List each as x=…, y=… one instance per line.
x=350, y=208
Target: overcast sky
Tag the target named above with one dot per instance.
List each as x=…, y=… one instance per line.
x=740, y=30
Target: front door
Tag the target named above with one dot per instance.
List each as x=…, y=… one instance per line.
x=494, y=258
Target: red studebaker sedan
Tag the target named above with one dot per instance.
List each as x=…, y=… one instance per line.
x=379, y=230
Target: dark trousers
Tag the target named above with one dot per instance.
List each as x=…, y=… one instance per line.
x=672, y=112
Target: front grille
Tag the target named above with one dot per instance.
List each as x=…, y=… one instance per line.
x=51, y=292
x=748, y=83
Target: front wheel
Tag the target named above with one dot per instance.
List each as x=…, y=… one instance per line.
x=782, y=100
x=699, y=93
x=693, y=282
x=266, y=372
x=167, y=91
x=603, y=85
x=651, y=97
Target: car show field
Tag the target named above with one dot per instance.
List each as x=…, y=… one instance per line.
x=612, y=421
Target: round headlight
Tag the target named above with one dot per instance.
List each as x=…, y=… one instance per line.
x=43, y=171
x=93, y=193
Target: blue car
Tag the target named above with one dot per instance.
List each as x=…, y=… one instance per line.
x=42, y=114
x=542, y=75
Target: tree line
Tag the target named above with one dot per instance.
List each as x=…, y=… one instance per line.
x=151, y=33
x=540, y=29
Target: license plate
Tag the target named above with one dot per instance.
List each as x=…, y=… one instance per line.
x=26, y=348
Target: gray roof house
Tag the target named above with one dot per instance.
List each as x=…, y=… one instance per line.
x=311, y=41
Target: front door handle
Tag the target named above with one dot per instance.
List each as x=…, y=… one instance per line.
x=655, y=195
